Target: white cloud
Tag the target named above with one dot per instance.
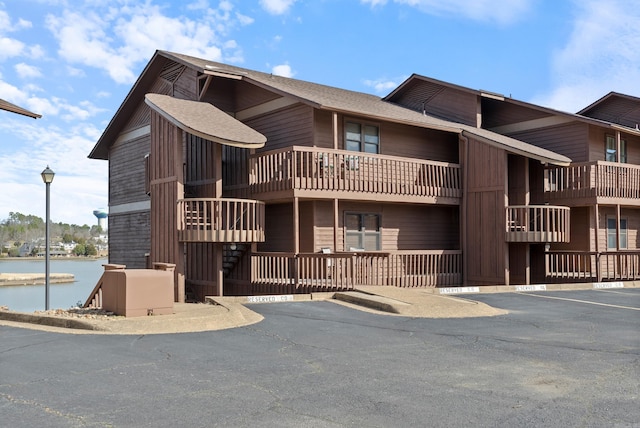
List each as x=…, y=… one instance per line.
x=117, y=40
x=277, y=7
x=599, y=56
x=26, y=71
x=10, y=48
x=283, y=70
x=382, y=86
x=79, y=186
x=507, y=12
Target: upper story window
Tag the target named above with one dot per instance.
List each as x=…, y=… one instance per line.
x=611, y=150
x=360, y=137
x=362, y=232
x=611, y=233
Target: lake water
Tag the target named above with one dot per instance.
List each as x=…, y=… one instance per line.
x=29, y=298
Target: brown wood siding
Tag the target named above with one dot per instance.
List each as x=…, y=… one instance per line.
x=395, y=139
x=454, y=105
x=413, y=142
x=633, y=225
x=323, y=129
x=499, y=113
x=166, y=188
x=126, y=171
x=186, y=85
x=569, y=140
x=517, y=180
x=142, y=115
x=235, y=172
x=597, y=138
x=130, y=239
x=439, y=101
x=278, y=228
x=307, y=219
x=486, y=213
x=517, y=262
x=323, y=227
x=200, y=171
x=200, y=269
x=580, y=232
x=291, y=126
x=404, y=226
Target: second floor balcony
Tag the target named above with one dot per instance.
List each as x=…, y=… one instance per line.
x=538, y=223
x=220, y=220
x=326, y=173
x=593, y=182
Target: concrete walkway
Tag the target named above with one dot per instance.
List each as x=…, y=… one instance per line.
x=229, y=312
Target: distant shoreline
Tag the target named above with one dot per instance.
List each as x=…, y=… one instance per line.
x=14, y=279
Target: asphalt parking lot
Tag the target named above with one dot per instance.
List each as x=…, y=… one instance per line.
x=568, y=359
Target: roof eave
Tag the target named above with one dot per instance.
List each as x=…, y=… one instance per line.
x=558, y=159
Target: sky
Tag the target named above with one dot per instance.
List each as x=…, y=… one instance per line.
x=74, y=61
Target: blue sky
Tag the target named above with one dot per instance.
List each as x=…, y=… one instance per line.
x=74, y=61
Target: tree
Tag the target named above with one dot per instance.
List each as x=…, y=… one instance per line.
x=79, y=250
x=90, y=250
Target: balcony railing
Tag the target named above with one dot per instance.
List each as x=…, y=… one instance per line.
x=220, y=220
x=308, y=168
x=308, y=272
x=593, y=179
x=537, y=223
x=592, y=266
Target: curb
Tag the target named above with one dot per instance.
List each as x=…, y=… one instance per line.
x=47, y=320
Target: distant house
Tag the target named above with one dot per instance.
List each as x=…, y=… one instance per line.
x=26, y=249
x=252, y=183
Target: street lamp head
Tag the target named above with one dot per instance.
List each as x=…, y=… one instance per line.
x=47, y=175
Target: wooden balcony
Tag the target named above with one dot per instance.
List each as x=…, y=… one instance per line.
x=589, y=266
x=220, y=220
x=593, y=182
x=309, y=272
x=326, y=173
x=537, y=223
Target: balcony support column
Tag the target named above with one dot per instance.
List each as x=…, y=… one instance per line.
x=334, y=125
x=335, y=225
x=296, y=225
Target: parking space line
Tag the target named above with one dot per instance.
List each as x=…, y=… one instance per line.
x=582, y=301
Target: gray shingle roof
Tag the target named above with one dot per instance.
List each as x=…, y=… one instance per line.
x=327, y=98
x=206, y=121
x=346, y=101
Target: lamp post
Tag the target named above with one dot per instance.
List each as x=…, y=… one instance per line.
x=47, y=177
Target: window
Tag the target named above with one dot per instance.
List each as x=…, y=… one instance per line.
x=611, y=233
x=362, y=138
x=611, y=150
x=362, y=232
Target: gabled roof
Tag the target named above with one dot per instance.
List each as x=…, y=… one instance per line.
x=496, y=97
x=6, y=105
x=615, y=107
x=313, y=94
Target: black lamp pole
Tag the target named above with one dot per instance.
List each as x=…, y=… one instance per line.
x=47, y=177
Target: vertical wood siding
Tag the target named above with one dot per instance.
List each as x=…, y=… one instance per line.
x=486, y=212
x=166, y=188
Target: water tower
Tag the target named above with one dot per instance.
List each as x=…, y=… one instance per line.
x=102, y=215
